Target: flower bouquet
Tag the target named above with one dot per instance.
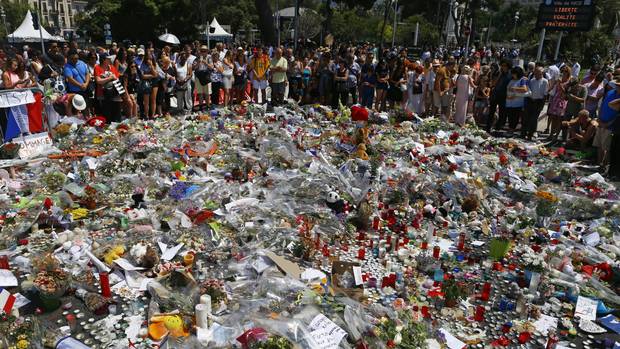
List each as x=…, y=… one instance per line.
x=402, y=332
x=9, y=151
x=258, y=338
x=546, y=206
x=51, y=281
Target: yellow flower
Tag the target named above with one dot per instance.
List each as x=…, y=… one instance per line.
x=23, y=344
x=79, y=213
x=97, y=140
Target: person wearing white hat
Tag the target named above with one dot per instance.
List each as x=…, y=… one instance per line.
x=70, y=104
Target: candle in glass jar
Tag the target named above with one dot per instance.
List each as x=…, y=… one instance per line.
x=479, y=316
x=104, y=280
x=361, y=253
x=436, y=251
x=486, y=291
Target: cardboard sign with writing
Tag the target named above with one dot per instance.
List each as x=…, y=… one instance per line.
x=34, y=145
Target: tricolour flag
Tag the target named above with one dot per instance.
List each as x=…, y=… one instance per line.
x=6, y=301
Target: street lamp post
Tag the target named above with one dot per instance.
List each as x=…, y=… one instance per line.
x=514, y=33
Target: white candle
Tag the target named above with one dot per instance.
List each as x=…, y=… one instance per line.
x=202, y=315
x=206, y=300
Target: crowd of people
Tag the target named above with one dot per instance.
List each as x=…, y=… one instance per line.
x=486, y=87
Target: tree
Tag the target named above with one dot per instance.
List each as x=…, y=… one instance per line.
x=309, y=24
x=265, y=22
x=15, y=12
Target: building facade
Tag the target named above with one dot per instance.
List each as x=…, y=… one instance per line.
x=58, y=16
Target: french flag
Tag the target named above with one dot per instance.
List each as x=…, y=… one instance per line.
x=6, y=301
x=23, y=119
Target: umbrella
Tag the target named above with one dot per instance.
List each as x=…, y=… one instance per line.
x=169, y=38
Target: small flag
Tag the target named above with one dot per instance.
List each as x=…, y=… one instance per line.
x=6, y=301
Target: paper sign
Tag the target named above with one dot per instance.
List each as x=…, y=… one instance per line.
x=451, y=341
x=33, y=145
x=290, y=268
x=312, y=274
x=592, y=239
x=325, y=333
x=7, y=279
x=14, y=98
x=357, y=274
x=20, y=300
x=546, y=323
x=586, y=308
x=259, y=265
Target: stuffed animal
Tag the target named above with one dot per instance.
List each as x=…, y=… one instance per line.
x=359, y=113
x=361, y=152
x=334, y=202
x=113, y=253
x=361, y=135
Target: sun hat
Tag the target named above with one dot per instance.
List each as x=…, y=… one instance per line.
x=78, y=102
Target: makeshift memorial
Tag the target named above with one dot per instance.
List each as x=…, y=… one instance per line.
x=304, y=227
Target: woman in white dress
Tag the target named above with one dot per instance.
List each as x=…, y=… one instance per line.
x=415, y=90
x=463, y=84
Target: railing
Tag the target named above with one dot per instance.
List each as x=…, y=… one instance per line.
x=36, y=89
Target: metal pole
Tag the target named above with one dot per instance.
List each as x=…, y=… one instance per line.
x=540, y=44
x=415, y=38
x=467, y=44
x=40, y=30
x=395, y=22
x=488, y=31
x=278, y=19
x=557, y=47
x=296, y=36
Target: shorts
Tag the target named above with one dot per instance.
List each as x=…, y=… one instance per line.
x=227, y=82
x=602, y=139
x=202, y=89
x=259, y=84
x=446, y=100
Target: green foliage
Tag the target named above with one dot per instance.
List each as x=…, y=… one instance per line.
x=498, y=248
x=452, y=290
x=15, y=12
x=355, y=26
x=427, y=36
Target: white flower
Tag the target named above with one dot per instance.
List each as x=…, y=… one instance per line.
x=398, y=338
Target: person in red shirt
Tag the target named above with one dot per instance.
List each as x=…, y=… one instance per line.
x=107, y=91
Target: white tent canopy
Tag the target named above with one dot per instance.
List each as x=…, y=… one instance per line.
x=216, y=30
x=26, y=32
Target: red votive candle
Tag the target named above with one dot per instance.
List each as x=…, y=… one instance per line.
x=436, y=251
x=104, y=280
x=479, y=316
x=361, y=253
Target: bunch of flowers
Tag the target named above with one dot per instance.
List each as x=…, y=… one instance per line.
x=51, y=279
x=53, y=181
x=402, y=332
x=532, y=260
x=9, y=150
x=547, y=203
x=215, y=289
x=193, y=242
x=258, y=338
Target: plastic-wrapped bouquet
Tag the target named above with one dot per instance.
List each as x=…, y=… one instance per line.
x=547, y=204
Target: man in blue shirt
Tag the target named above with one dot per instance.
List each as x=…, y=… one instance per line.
x=607, y=116
x=76, y=73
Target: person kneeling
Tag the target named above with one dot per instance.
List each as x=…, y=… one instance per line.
x=581, y=130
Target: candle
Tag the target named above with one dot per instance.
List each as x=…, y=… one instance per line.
x=202, y=315
x=4, y=262
x=461, y=245
x=424, y=245
x=486, y=291
x=206, y=300
x=376, y=223
x=436, y=251
x=104, y=280
x=361, y=253
x=188, y=259
x=479, y=316
x=425, y=312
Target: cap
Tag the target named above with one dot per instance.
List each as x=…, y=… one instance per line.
x=140, y=51
x=436, y=63
x=204, y=48
x=103, y=56
x=96, y=121
x=78, y=102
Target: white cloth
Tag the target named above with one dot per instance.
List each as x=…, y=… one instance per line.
x=462, y=98
x=576, y=69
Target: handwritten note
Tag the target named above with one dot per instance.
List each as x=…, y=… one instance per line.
x=14, y=98
x=586, y=308
x=34, y=145
x=546, y=323
x=7, y=279
x=325, y=334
